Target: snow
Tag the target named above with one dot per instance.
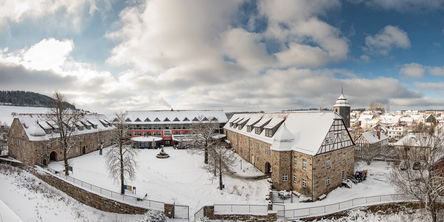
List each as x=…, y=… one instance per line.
x=308, y=129
x=179, y=179
x=7, y=214
x=32, y=125
x=372, y=137
x=33, y=201
x=181, y=115
x=362, y=216
x=377, y=183
x=6, y=112
x=146, y=139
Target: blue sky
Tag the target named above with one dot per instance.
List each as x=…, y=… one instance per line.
x=108, y=55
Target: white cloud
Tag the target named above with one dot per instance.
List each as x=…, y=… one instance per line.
x=436, y=70
x=413, y=70
x=16, y=11
x=384, y=41
x=404, y=5
x=430, y=85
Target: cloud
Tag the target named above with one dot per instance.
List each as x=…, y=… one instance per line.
x=384, y=41
x=430, y=85
x=15, y=11
x=413, y=70
x=436, y=70
x=404, y=5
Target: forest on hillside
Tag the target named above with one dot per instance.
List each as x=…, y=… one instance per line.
x=24, y=98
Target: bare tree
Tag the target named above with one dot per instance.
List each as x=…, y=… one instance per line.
x=121, y=158
x=417, y=174
x=220, y=160
x=4, y=130
x=204, y=130
x=63, y=119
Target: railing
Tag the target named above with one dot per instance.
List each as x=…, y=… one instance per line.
x=199, y=215
x=131, y=200
x=220, y=209
x=296, y=213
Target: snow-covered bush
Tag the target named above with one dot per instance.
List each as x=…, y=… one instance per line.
x=154, y=216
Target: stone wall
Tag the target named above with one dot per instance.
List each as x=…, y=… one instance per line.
x=302, y=178
x=340, y=167
x=209, y=213
x=88, y=198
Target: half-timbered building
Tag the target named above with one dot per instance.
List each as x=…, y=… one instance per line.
x=308, y=152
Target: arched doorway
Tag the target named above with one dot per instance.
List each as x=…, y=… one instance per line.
x=268, y=168
x=83, y=149
x=53, y=156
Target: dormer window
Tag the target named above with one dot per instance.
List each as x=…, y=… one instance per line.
x=186, y=119
x=249, y=128
x=137, y=120
x=157, y=120
x=268, y=132
x=205, y=119
x=195, y=119
x=231, y=124
x=214, y=119
x=147, y=120
x=127, y=120
x=176, y=119
x=258, y=130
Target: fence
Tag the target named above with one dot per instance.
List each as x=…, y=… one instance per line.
x=337, y=207
x=181, y=211
x=221, y=209
x=199, y=215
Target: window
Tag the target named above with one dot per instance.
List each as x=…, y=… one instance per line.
x=249, y=128
x=294, y=179
x=304, y=183
x=327, y=182
x=257, y=130
x=284, y=177
x=295, y=160
x=327, y=163
x=304, y=164
x=268, y=132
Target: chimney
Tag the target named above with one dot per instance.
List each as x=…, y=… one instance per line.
x=378, y=133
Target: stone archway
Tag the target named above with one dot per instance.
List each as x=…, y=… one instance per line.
x=53, y=156
x=268, y=168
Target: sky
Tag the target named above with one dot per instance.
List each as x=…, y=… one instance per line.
x=235, y=55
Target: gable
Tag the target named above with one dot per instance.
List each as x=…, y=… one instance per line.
x=337, y=137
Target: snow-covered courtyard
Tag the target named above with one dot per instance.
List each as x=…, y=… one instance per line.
x=180, y=179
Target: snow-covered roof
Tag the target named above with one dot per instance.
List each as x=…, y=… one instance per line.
x=175, y=116
x=7, y=111
x=342, y=101
x=36, y=124
x=415, y=140
x=146, y=138
x=300, y=131
x=372, y=136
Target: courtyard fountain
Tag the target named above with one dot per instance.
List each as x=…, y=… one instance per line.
x=162, y=154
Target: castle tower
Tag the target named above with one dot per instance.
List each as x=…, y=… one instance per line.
x=342, y=108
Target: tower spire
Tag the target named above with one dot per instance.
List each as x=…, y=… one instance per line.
x=342, y=89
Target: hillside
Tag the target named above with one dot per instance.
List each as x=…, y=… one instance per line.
x=23, y=98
